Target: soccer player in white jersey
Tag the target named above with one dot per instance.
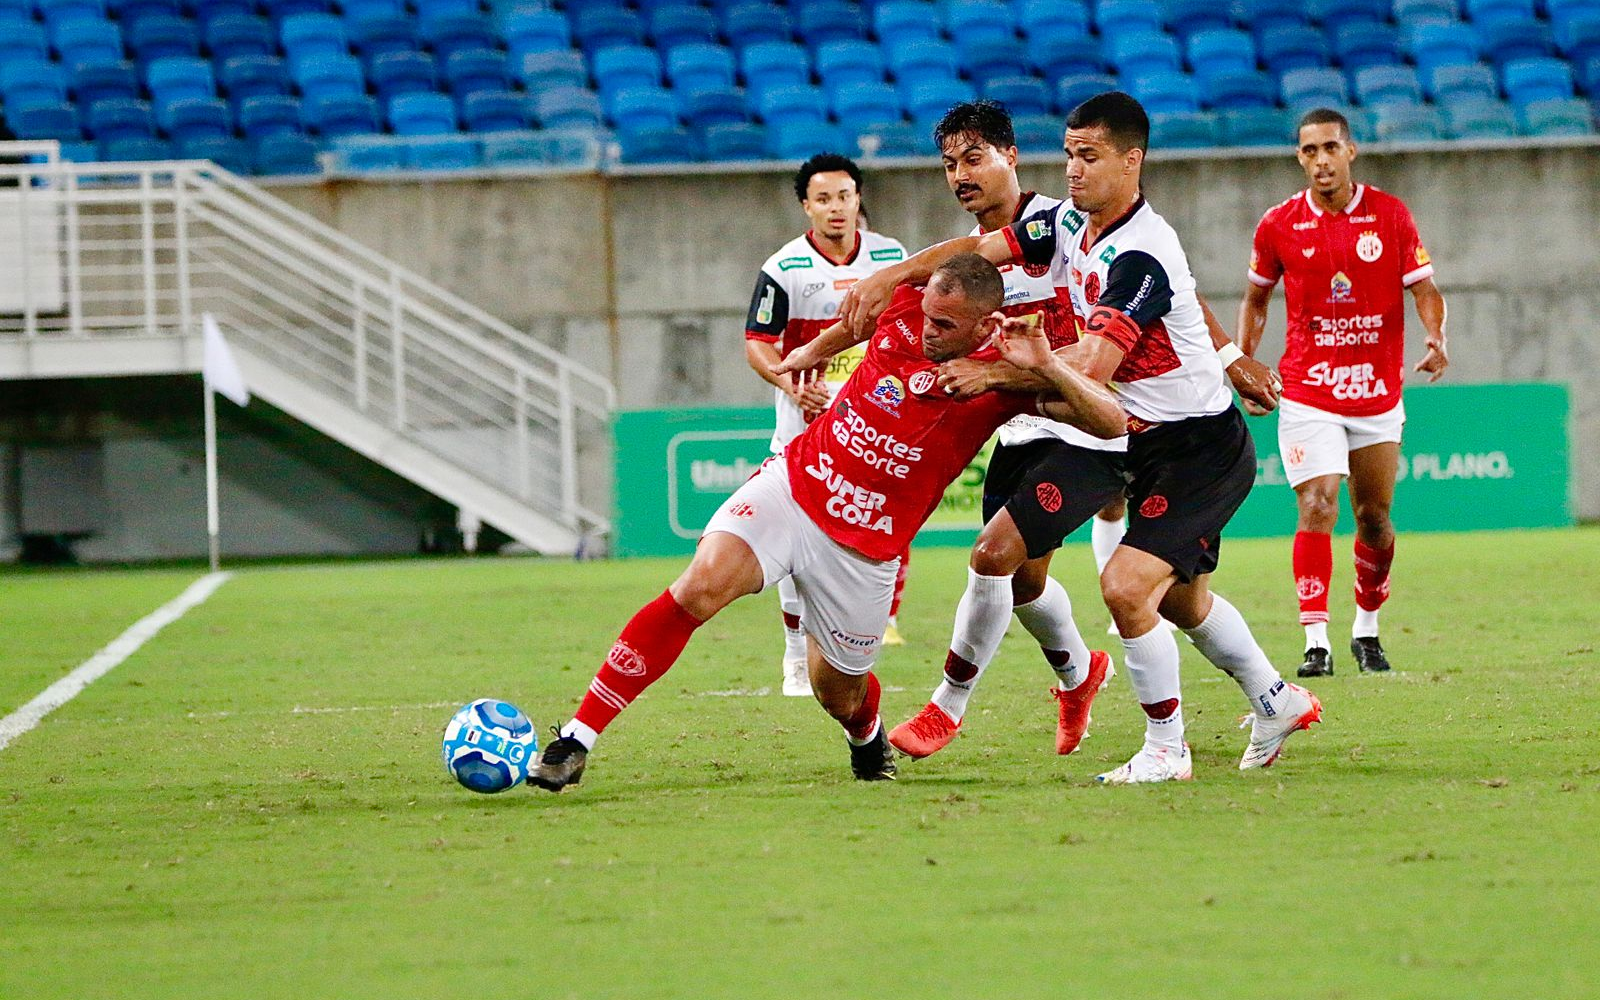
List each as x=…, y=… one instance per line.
x=1347, y=253
x=797, y=294
x=1190, y=458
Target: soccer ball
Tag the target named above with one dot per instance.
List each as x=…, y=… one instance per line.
x=488, y=745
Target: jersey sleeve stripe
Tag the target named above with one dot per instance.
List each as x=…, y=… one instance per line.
x=1012, y=244
x=1412, y=277
x=1256, y=279
x=767, y=338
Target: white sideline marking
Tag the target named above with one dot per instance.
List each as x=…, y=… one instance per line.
x=101, y=663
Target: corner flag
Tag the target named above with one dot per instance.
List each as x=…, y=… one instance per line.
x=219, y=368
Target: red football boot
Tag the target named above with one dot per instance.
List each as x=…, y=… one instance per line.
x=1073, y=706
x=925, y=733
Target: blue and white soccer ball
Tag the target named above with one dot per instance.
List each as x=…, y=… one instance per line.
x=488, y=745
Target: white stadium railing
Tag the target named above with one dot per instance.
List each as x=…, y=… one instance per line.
x=106, y=269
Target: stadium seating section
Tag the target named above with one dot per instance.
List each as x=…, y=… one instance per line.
x=269, y=86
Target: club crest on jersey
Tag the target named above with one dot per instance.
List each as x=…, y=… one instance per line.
x=1036, y=270
x=1368, y=247
x=1341, y=289
x=921, y=382
x=1091, y=288
x=888, y=394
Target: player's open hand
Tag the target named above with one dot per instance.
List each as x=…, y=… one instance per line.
x=797, y=362
x=1257, y=385
x=1435, y=361
x=964, y=378
x=1021, y=341
x=865, y=301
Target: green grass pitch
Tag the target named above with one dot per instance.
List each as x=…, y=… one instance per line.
x=253, y=806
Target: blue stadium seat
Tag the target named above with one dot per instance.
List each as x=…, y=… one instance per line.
x=268, y=114
x=322, y=75
x=972, y=20
x=1037, y=133
x=706, y=106
x=860, y=105
x=624, y=66
x=129, y=149
x=1505, y=41
x=1072, y=91
x=369, y=154
x=597, y=28
x=1238, y=89
x=1317, y=86
x=119, y=118
x=25, y=82
x=754, y=23
x=774, y=64
x=1403, y=122
x=1256, y=127
x=225, y=151
x=277, y=155
x=927, y=100
x=24, y=39
x=1424, y=11
x=251, y=76
x=1472, y=116
x=568, y=108
x=1052, y=17
x=536, y=31
x=1568, y=116
x=700, y=66
x=1217, y=49
x=919, y=60
x=803, y=140
x=360, y=10
x=657, y=144
x=1482, y=10
x=1470, y=80
x=674, y=26
x=1561, y=11
x=447, y=33
x=1145, y=52
x=470, y=70
x=374, y=34
x=56, y=12
x=1020, y=95
x=393, y=73
x=735, y=142
x=443, y=153
x=339, y=114
x=180, y=76
x=1376, y=85
x=86, y=41
x=1167, y=91
x=195, y=118
x=791, y=106
x=897, y=21
x=313, y=34
x=991, y=57
x=156, y=36
x=642, y=107
x=1069, y=54
x=99, y=80
x=1529, y=80
x=1117, y=16
x=543, y=70
x=80, y=152
x=280, y=9
x=1262, y=16
x=1186, y=17
x=240, y=35
x=894, y=139
x=433, y=8
x=1330, y=12
x=1429, y=45
x=46, y=121
x=1291, y=47
x=495, y=111
x=1182, y=130
x=1366, y=43
x=850, y=61
x=129, y=11
x=1589, y=76
x=829, y=21
x=513, y=149
x=206, y=11
x=421, y=114
x=1579, y=38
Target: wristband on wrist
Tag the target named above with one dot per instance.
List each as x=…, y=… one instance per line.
x=1228, y=353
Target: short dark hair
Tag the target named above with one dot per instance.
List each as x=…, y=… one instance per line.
x=1121, y=115
x=824, y=163
x=1323, y=116
x=978, y=280
x=985, y=121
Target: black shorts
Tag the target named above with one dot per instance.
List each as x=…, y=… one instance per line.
x=1186, y=480
x=1050, y=487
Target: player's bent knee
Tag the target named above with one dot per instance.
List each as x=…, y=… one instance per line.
x=1000, y=552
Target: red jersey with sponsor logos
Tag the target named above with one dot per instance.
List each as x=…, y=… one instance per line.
x=872, y=468
x=1344, y=276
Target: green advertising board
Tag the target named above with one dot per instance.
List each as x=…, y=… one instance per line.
x=1474, y=457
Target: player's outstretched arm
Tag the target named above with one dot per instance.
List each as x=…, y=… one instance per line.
x=868, y=298
x=1255, y=383
x=1082, y=402
x=1432, y=311
x=810, y=394
x=823, y=346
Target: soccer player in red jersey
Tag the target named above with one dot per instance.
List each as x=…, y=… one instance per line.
x=1346, y=253
x=840, y=505
x=796, y=297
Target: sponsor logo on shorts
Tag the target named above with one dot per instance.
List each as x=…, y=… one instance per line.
x=1294, y=455
x=854, y=640
x=1309, y=588
x=921, y=382
x=743, y=511
x=1153, y=506
x=1049, y=497
x=1091, y=288
x=625, y=660
x=1369, y=247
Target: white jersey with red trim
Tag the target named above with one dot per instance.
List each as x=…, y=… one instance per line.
x=1030, y=289
x=1344, y=276
x=1134, y=287
x=797, y=296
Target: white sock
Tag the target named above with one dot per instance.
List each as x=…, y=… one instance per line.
x=1366, y=624
x=872, y=734
x=1152, y=664
x=1316, y=635
x=982, y=616
x=1048, y=618
x=794, y=639
x=1224, y=638
x=580, y=732
x=1104, y=537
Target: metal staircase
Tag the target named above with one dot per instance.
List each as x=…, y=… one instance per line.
x=106, y=269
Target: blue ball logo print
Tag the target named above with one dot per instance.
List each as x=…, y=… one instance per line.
x=488, y=746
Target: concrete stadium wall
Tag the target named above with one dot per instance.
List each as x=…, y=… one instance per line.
x=646, y=276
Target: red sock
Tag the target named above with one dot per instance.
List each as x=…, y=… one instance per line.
x=1372, y=575
x=647, y=648
x=900, y=582
x=1313, y=569
x=859, y=725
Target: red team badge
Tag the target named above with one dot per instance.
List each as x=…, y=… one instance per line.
x=1091, y=288
x=1049, y=497
x=1153, y=506
x=743, y=511
x=1309, y=588
x=921, y=382
x=625, y=660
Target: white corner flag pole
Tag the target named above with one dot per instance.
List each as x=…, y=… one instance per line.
x=219, y=373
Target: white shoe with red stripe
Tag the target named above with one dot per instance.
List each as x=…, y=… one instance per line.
x=1152, y=764
x=1268, y=733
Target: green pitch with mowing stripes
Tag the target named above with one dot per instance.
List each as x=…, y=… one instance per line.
x=253, y=805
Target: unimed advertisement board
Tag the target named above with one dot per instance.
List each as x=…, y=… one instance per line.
x=1474, y=457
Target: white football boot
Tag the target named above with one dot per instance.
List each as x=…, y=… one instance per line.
x=1299, y=710
x=796, y=678
x=1152, y=763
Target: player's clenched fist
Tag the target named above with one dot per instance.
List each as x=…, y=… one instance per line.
x=1021, y=341
x=1257, y=385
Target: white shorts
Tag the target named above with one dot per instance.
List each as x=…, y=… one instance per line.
x=1314, y=442
x=844, y=596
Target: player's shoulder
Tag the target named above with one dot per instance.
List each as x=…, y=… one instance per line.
x=796, y=255
x=1377, y=201
x=881, y=249
x=1145, y=230
x=903, y=315
x=1288, y=210
x=1039, y=203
